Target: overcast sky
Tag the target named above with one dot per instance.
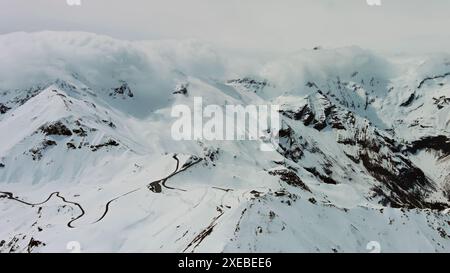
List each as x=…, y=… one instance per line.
x=284, y=25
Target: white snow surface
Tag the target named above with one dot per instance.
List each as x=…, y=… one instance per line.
x=232, y=200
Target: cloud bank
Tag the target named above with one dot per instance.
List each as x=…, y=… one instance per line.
x=247, y=25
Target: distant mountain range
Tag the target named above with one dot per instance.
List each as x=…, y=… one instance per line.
x=86, y=152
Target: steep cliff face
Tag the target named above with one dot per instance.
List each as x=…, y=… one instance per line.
x=87, y=155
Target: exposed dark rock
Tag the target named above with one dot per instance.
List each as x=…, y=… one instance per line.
x=47, y=143
x=123, y=90
x=256, y=193
x=392, y=144
x=347, y=141
x=439, y=143
x=57, y=129
x=439, y=206
x=443, y=233
x=110, y=142
x=181, y=89
x=287, y=166
x=250, y=84
x=192, y=160
x=304, y=114
x=110, y=123
x=281, y=193
x=65, y=85
x=4, y=108
x=29, y=93
x=353, y=158
x=405, y=187
x=402, y=184
x=70, y=145
x=354, y=74
x=155, y=187
x=33, y=244
x=290, y=178
x=36, y=152
x=320, y=126
x=441, y=102
x=311, y=85
x=80, y=132
x=289, y=144
x=324, y=178
x=318, y=119
x=212, y=154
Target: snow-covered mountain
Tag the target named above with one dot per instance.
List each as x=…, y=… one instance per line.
x=86, y=152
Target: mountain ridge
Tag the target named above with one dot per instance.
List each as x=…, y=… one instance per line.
x=91, y=126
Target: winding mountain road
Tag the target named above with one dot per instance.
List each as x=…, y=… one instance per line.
x=155, y=186
x=10, y=196
x=110, y=201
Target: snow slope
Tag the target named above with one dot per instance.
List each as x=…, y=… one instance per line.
x=86, y=152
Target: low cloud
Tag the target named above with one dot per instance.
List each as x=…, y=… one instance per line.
x=264, y=25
